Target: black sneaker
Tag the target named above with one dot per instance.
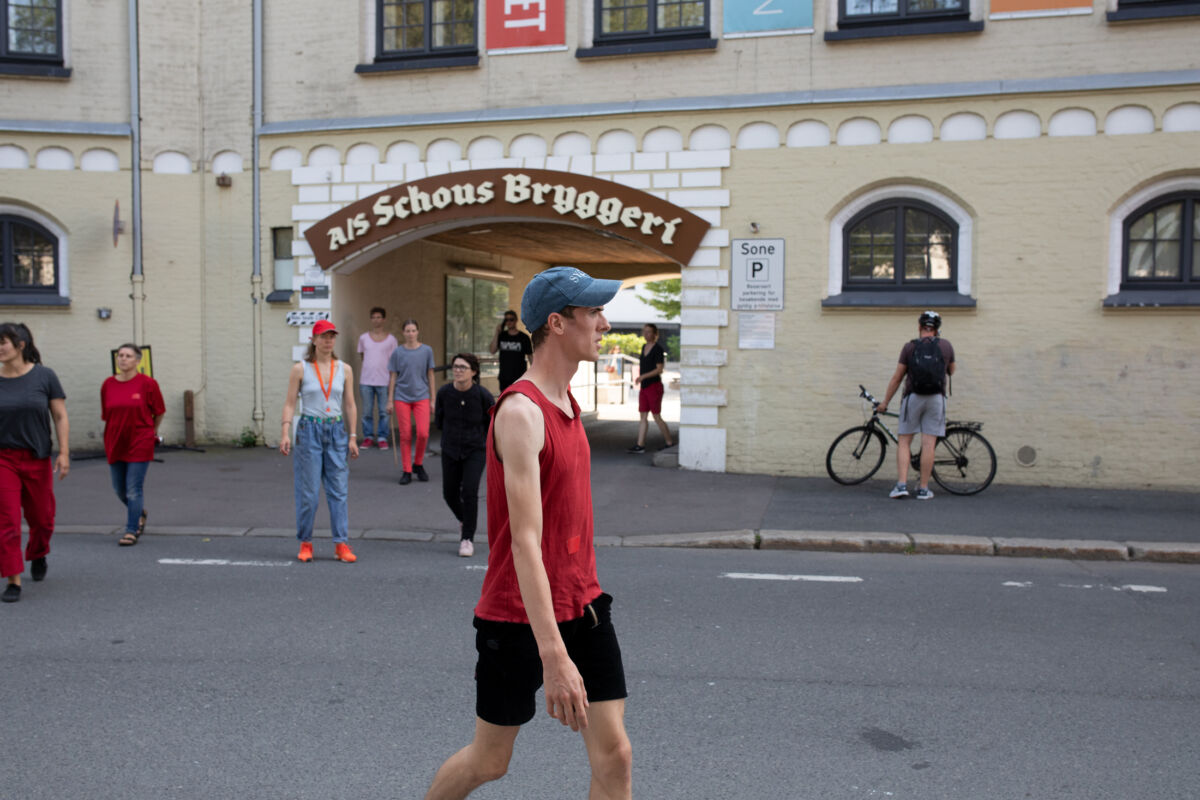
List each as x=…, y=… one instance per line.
x=37, y=568
x=406, y=479
x=637, y=448
x=422, y=475
x=11, y=594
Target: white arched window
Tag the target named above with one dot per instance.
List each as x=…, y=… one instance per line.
x=1154, y=246
x=33, y=258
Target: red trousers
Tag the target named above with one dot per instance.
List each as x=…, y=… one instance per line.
x=406, y=415
x=26, y=485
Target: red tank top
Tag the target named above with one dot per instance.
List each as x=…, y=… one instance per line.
x=567, y=552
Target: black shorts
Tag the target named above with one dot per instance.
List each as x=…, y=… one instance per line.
x=509, y=670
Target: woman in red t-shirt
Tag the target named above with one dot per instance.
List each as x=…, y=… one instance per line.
x=132, y=408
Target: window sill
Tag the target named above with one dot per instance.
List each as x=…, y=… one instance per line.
x=1154, y=12
x=913, y=298
x=280, y=296
x=34, y=70
x=925, y=28
x=470, y=59
x=602, y=50
x=1153, y=298
x=32, y=299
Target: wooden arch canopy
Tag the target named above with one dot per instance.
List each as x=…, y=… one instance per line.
x=638, y=225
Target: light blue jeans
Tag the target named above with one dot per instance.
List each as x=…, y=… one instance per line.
x=375, y=397
x=127, y=480
x=319, y=459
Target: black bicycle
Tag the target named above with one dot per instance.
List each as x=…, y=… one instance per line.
x=963, y=461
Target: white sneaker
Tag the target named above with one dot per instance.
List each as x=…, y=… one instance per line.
x=899, y=490
x=466, y=549
x=924, y=494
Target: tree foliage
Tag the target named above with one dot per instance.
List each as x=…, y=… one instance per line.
x=665, y=296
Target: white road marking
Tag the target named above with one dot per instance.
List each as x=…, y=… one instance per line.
x=221, y=562
x=767, y=576
x=1127, y=587
x=1018, y=584
x=1133, y=587
x=476, y=566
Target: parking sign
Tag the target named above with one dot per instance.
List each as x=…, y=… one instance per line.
x=756, y=279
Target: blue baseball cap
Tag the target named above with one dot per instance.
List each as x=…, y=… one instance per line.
x=559, y=287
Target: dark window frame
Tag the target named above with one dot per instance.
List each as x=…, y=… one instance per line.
x=902, y=16
x=1189, y=270
x=898, y=283
x=32, y=59
x=8, y=289
x=428, y=55
x=1153, y=9
x=651, y=34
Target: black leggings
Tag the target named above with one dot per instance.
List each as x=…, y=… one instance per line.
x=460, y=488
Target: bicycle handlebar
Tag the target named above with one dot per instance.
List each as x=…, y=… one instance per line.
x=867, y=395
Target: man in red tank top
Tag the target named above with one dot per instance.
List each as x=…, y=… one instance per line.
x=541, y=617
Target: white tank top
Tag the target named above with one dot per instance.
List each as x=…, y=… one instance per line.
x=312, y=398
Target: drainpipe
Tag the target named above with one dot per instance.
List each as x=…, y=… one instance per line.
x=136, y=279
x=256, y=287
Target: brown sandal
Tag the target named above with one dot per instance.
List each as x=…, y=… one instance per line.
x=128, y=540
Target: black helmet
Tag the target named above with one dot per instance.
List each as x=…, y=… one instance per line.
x=930, y=319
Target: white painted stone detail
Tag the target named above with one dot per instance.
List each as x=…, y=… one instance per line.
x=614, y=162
x=702, y=415
x=649, y=161
x=363, y=153
x=436, y=167
x=702, y=449
x=702, y=178
x=314, y=194
x=638, y=180
x=702, y=396
x=414, y=172
x=389, y=173
x=313, y=212
x=700, y=198
x=911, y=129
x=705, y=277
x=1072, y=122
x=1181, y=118
x=100, y=160
x=1017, y=125
x=403, y=153
x=616, y=141
x=485, y=147
x=357, y=173
x=527, y=145
x=365, y=190
x=701, y=297
x=698, y=376
x=809, y=133
x=286, y=158
x=300, y=247
x=699, y=337
x=534, y=162
x=703, y=357
x=715, y=237
x=662, y=140
x=581, y=165
x=13, y=157
x=858, y=131
x=704, y=159
x=710, y=215
x=706, y=257
x=572, y=144
x=704, y=317
x=497, y=163
x=443, y=150
x=340, y=193
x=1128, y=120
x=709, y=137
x=324, y=156
x=666, y=180
x=560, y=163
x=758, y=136
x=303, y=175
x=168, y=163
x=227, y=162
x=963, y=127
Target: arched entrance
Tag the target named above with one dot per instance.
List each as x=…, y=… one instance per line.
x=454, y=250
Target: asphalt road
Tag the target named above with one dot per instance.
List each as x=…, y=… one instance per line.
x=139, y=673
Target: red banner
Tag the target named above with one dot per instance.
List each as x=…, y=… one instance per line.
x=525, y=23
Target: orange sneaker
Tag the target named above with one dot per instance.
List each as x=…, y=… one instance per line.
x=305, y=552
x=343, y=553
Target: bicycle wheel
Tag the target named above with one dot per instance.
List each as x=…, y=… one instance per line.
x=855, y=455
x=963, y=462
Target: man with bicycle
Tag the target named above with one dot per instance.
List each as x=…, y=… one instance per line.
x=925, y=364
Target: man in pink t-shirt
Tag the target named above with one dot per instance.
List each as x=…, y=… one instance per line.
x=375, y=346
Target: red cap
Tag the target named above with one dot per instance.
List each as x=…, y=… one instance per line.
x=323, y=326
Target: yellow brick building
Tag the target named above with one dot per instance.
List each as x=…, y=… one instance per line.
x=1040, y=160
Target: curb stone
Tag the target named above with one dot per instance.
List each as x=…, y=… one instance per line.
x=835, y=540
x=1063, y=548
x=941, y=544
x=1182, y=552
x=743, y=539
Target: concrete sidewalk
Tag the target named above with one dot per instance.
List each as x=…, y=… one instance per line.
x=236, y=492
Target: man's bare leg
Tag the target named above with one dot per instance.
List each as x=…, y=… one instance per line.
x=484, y=759
x=928, y=442
x=904, y=457
x=609, y=751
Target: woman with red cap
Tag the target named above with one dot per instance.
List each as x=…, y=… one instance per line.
x=325, y=386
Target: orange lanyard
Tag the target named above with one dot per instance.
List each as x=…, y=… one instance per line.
x=325, y=390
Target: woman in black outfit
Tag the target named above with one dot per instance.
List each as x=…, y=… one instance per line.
x=461, y=414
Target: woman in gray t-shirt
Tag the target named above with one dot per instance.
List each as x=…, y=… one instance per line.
x=410, y=392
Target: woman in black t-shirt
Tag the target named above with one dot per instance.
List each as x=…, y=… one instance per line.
x=650, y=395
x=29, y=395
x=461, y=414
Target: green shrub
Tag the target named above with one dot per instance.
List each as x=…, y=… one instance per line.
x=630, y=343
x=247, y=438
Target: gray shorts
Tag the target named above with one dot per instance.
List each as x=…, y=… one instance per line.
x=923, y=413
